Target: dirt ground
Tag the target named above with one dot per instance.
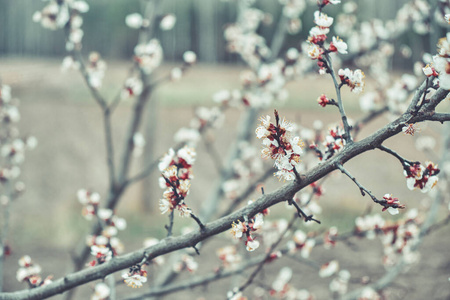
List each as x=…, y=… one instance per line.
x=46, y=222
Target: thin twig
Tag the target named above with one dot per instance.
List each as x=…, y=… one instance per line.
x=362, y=189
x=133, y=127
x=200, y=224
x=170, y=226
x=301, y=213
x=337, y=87
x=396, y=155
x=109, y=148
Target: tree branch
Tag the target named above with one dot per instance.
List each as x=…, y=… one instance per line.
x=175, y=243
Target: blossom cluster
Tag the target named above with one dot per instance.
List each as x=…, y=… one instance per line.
x=242, y=37
x=317, y=49
x=333, y=142
x=354, y=79
x=280, y=145
x=398, y=93
x=329, y=239
x=442, y=62
x=229, y=256
x=101, y=291
x=329, y=268
x=421, y=177
x=132, y=87
x=29, y=273
x=187, y=262
x=265, y=81
x=301, y=242
x=244, y=167
x=317, y=37
x=12, y=146
x=105, y=245
x=57, y=14
x=239, y=228
x=308, y=200
x=96, y=70
x=148, y=55
x=176, y=174
x=12, y=154
x=282, y=289
x=339, y=284
x=205, y=117
x=398, y=238
x=391, y=204
x=292, y=10
x=135, y=277
x=137, y=21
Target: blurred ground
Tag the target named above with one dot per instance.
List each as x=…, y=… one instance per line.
x=57, y=109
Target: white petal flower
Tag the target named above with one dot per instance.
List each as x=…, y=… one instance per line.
x=24, y=261
x=134, y=21
x=259, y=221
x=322, y=20
x=134, y=281
x=104, y=213
x=329, y=269
x=101, y=240
x=168, y=22
x=410, y=182
x=261, y=132
x=297, y=144
x=187, y=135
x=393, y=211
x=282, y=279
x=164, y=206
x=185, y=211
x=120, y=223
x=237, y=229
x=101, y=291
x=109, y=231
x=299, y=237
x=431, y=182
x=314, y=51
x=166, y=160
x=187, y=154
x=189, y=57
x=252, y=245
x=176, y=74
x=285, y=175
x=340, y=45
x=307, y=248
x=101, y=251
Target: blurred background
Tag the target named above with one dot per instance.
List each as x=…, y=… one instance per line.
x=199, y=28
x=58, y=109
